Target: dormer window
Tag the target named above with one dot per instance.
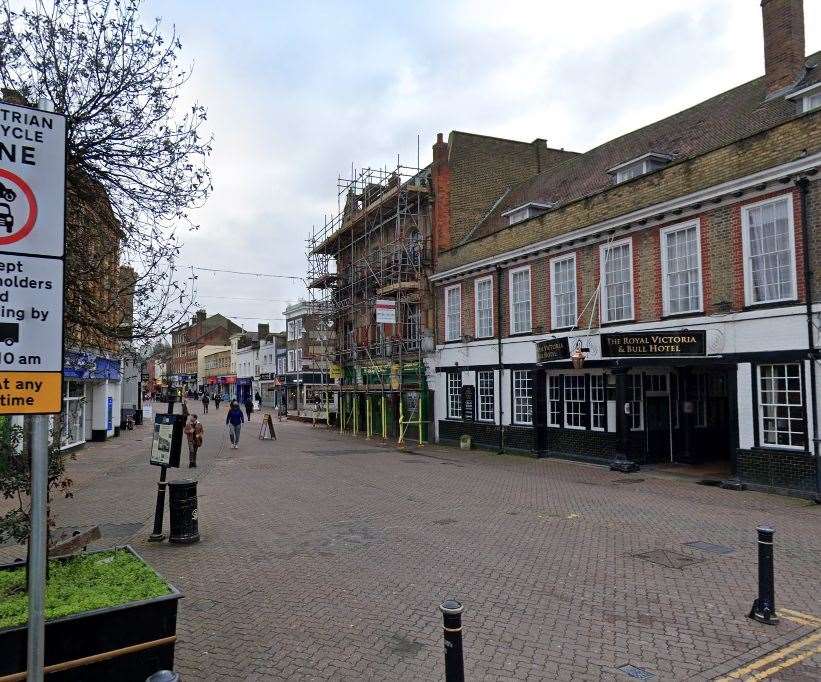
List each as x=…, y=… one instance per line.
x=525, y=211
x=808, y=98
x=638, y=166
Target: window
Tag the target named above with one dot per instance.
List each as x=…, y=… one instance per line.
x=487, y=408
x=563, y=291
x=291, y=361
x=453, y=313
x=411, y=326
x=299, y=360
x=454, y=395
x=598, y=403
x=639, y=166
x=522, y=396
x=520, y=300
x=617, y=281
x=681, y=269
x=554, y=399
x=769, y=252
x=781, y=406
x=484, y=307
x=634, y=395
x=73, y=417
x=810, y=102
x=701, y=395
x=575, y=403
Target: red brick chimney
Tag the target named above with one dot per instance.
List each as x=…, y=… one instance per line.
x=783, y=42
x=440, y=179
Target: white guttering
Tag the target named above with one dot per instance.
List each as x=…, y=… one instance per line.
x=791, y=168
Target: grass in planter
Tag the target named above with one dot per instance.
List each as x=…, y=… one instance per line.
x=83, y=583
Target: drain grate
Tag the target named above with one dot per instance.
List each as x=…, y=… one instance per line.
x=636, y=673
x=668, y=558
x=710, y=548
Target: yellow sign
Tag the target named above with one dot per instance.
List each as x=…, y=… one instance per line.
x=31, y=392
x=335, y=371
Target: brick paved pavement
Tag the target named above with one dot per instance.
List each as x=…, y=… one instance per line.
x=324, y=557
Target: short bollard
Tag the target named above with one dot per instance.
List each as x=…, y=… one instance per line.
x=454, y=662
x=164, y=676
x=764, y=606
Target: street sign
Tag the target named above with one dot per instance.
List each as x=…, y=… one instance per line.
x=32, y=235
x=385, y=311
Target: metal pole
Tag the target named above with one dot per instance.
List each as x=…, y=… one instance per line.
x=764, y=606
x=159, y=510
x=384, y=418
x=419, y=408
x=38, y=549
x=452, y=631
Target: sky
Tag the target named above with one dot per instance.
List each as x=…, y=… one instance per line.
x=298, y=92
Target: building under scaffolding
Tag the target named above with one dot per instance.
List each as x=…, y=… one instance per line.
x=377, y=249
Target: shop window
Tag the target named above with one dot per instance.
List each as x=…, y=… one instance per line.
x=769, y=251
x=487, y=411
x=484, y=307
x=453, y=313
x=681, y=269
x=454, y=395
x=781, y=406
x=617, y=281
x=634, y=399
x=522, y=396
x=554, y=399
x=598, y=403
x=520, y=300
x=575, y=401
x=563, y=291
x=72, y=430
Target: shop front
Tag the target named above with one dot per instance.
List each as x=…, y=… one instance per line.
x=91, y=398
x=244, y=389
x=272, y=390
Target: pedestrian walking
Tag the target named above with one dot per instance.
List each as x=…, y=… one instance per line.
x=205, y=401
x=258, y=398
x=194, y=432
x=316, y=411
x=249, y=407
x=217, y=399
x=235, y=419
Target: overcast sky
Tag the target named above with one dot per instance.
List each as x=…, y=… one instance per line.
x=299, y=91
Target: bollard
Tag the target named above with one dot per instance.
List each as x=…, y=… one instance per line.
x=764, y=606
x=454, y=661
x=164, y=676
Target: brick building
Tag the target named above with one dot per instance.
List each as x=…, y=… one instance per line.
x=203, y=330
x=652, y=299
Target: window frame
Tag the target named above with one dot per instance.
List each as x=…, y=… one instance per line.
x=479, y=396
x=453, y=374
x=603, y=248
x=665, y=294
x=567, y=387
x=745, y=248
x=560, y=411
x=476, y=283
x=448, y=293
x=553, y=263
x=603, y=378
x=510, y=304
x=513, y=397
x=802, y=406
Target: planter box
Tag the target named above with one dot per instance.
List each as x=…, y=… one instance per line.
x=123, y=643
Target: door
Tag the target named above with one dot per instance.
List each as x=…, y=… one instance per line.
x=657, y=418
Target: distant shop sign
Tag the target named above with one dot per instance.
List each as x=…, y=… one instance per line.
x=552, y=349
x=655, y=344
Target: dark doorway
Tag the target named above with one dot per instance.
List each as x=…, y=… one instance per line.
x=657, y=428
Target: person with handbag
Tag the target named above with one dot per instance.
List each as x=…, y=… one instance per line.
x=194, y=433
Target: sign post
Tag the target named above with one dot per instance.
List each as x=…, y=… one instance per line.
x=32, y=247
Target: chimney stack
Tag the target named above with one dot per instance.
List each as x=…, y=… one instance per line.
x=783, y=43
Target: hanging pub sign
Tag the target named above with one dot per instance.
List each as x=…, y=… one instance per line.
x=468, y=403
x=552, y=349
x=167, y=443
x=654, y=344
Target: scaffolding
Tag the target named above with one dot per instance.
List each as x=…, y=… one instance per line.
x=376, y=247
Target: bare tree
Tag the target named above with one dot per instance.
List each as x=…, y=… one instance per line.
x=136, y=165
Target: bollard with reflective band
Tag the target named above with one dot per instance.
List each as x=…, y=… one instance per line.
x=454, y=661
x=764, y=606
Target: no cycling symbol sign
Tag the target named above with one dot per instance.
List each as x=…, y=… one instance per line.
x=18, y=208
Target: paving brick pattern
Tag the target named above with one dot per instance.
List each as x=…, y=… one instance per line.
x=324, y=557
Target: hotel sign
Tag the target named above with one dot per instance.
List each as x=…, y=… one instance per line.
x=552, y=349
x=654, y=344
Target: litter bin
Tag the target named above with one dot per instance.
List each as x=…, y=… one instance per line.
x=138, y=417
x=185, y=527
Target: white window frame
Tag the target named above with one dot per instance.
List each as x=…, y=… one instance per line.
x=801, y=405
x=665, y=293
x=554, y=322
x=449, y=292
x=514, y=397
x=452, y=413
x=476, y=283
x=480, y=394
x=807, y=103
x=745, y=243
x=605, y=315
x=569, y=387
x=603, y=401
x=510, y=274
x=559, y=388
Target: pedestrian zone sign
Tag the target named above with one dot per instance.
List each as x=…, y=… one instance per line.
x=32, y=242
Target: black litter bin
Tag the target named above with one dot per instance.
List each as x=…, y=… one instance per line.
x=185, y=527
x=138, y=417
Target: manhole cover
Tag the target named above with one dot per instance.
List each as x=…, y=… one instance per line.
x=668, y=558
x=636, y=673
x=710, y=548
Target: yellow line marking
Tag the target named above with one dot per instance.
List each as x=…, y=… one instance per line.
x=786, y=664
x=774, y=657
x=803, y=616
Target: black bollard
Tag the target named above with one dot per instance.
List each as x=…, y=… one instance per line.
x=454, y=661
x=764, y=606
x=164, y=676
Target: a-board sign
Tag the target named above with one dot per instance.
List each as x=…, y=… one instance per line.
x=266, y=431
x=552, y=349
x=32, y=227
x=654, y=344
x=167, y=441
x=468, y=403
